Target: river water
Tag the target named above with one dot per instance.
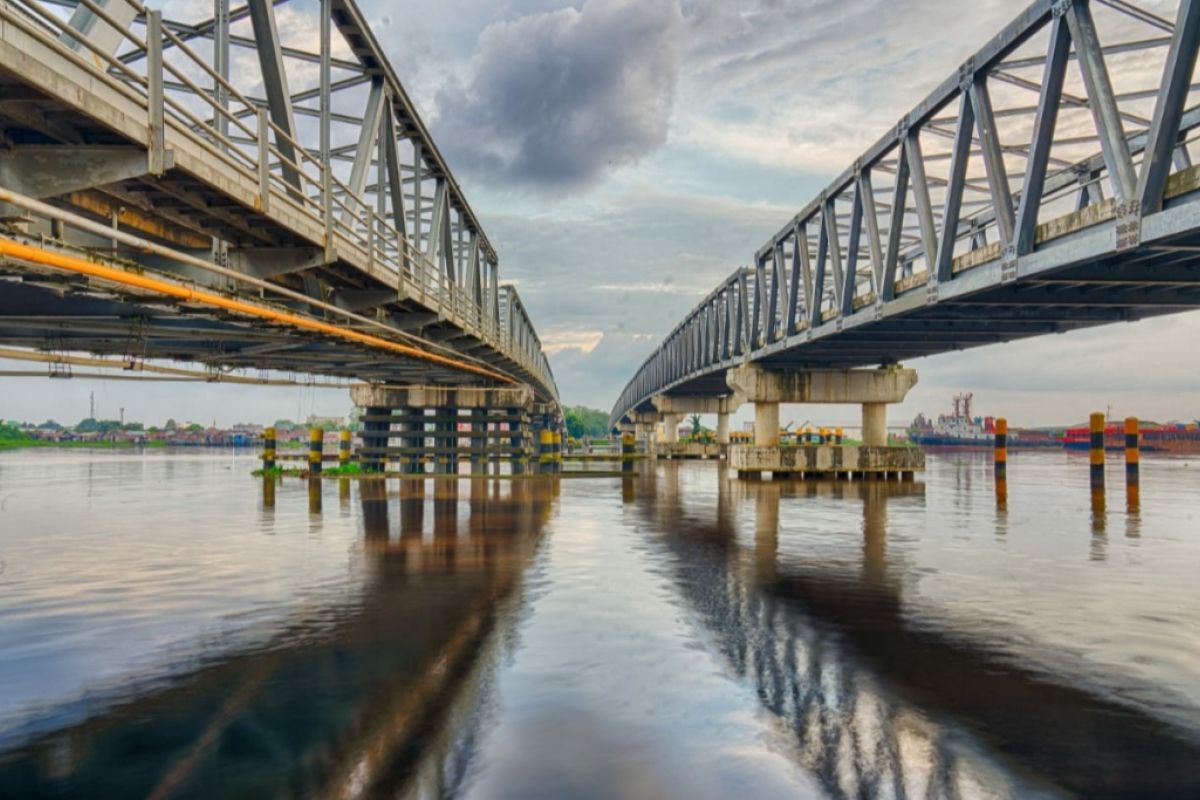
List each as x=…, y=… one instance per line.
x=171, y=627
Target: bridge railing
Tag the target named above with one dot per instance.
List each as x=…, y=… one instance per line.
x=446, y=263
x=1077, y=113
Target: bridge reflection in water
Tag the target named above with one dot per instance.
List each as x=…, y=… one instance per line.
x=344, y=708
x=878, y=702
x=806, y=607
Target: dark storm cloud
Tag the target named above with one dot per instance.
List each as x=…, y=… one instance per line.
x=556, y=99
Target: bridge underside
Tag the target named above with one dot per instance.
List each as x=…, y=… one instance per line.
x=1158, y=280
x=64, y=316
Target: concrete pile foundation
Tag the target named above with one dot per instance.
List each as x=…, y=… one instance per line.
x=419, y=429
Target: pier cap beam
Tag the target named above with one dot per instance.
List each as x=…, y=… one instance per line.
x=695, y=404
x=384, y=396
x=759, y=385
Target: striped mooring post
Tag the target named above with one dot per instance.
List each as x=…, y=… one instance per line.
x=343, y=448
x=1001, y=460
x=558, y=451
x=838, y=435
x=316, y=448
x=268, y=455
x=628, y=447
x=1096, y=451
x=824, y=435
x=545, y=450
x=1132, y=459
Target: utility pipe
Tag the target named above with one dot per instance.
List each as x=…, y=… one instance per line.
x=37, y=255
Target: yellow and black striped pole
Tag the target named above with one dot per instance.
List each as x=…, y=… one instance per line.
x=824, y=435
x=268, y=456
x=1001, y=460
x=1132, y=463
x=545, y=450
x=1001, y=449
x=316, y=447
x=558, y=453
x=314, y=497
x=343, y=448
x=808, y=434
x=628, y=446
x=838, y=436
x=1096, y=451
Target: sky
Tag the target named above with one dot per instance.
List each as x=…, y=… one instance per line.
x=624, y=156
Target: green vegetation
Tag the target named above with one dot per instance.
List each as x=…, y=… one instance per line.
x=98, y=444
x=347, y=470
x=583, y=421
x=11, y=436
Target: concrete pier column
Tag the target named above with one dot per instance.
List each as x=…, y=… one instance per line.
x=449, y=438
x=670, y=423
x=641, y=432
x=416, y=440
x=766, y=424
x=722, y=429
x=874, y=424
x=374, y=437
x=516, y=439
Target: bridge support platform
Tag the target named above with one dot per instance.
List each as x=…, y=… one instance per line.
x=412, y=427
x=689, y=450
x=873, y=389
x=845, y=462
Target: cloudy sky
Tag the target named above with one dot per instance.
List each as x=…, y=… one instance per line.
x=626, y=155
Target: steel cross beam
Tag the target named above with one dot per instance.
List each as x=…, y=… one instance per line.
x=911, y=247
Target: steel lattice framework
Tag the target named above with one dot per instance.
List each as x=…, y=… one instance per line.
x=1046, y=185
x=258, y=153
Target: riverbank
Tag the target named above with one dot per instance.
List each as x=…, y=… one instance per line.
x=22, y=444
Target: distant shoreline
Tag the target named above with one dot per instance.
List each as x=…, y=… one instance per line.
x=7, y=445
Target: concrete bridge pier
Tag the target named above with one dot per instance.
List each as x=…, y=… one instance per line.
x=722, y=429
x=874, y=424
x=643, y=426
x=872, y=389
x=673, y=408
x=670, y=426
x=499, y=426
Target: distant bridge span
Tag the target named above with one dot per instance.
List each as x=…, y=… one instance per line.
x=1046, y=186
x=210, y=190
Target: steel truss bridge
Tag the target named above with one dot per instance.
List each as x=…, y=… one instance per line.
x=212, y=190
x=1047, y=185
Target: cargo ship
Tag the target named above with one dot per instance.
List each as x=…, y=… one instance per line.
x=962, y=431
x=958, y=430
x=1173, y=437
